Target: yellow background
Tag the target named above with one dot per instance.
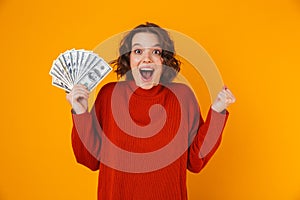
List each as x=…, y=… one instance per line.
x=255, y=45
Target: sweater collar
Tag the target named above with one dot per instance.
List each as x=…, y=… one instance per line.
x=155, y=90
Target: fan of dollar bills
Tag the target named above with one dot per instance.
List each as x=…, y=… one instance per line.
x=78, y=67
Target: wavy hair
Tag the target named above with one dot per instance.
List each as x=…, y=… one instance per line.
x=171, y=65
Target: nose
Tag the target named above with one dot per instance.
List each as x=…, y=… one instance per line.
x=147, y=56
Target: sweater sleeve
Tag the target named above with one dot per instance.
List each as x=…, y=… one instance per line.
x=85, y=141
x=205, y=137
x=86, y=135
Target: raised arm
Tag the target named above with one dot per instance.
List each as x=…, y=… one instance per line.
x=86, y=141
x=207, y=134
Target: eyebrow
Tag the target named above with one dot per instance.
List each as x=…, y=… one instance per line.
x=138, y=44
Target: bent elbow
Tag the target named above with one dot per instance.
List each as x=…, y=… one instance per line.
x=91, y=164
x=196, y=167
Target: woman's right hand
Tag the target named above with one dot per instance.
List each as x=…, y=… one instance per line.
x=78, y=98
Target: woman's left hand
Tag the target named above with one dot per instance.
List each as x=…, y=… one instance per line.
x=223, y=100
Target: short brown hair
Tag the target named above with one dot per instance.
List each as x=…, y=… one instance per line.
x=171, y=65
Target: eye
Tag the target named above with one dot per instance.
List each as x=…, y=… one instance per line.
x=138, y=51
x=156, y=51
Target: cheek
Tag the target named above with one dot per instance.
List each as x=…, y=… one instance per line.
x=159, y=60
x=133, y=61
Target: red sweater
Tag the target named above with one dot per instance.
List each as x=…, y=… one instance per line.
x=160, y=133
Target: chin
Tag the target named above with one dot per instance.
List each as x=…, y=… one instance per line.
x=148, y=85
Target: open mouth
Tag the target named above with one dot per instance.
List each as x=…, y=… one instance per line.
x=146, y=73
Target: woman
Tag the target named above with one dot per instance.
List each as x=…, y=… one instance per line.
x=156, y=123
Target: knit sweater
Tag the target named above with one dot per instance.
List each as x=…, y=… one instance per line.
x=143, y=141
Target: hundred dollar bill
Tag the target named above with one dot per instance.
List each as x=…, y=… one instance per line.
x=60, y=84
x=78, y=67
x=95, y=74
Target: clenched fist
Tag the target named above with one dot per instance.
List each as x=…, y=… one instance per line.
x=78, y=98
x=223, y=100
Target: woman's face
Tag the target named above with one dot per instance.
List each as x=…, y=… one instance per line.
x=146, y=60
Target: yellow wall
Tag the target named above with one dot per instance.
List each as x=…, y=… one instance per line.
x=255, y=45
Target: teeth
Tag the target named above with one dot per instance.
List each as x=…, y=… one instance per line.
x=147, y=69
x=146, y=73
